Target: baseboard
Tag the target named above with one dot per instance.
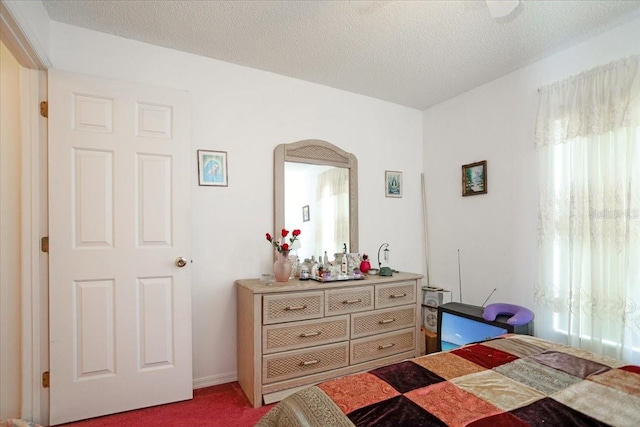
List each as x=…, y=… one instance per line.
x=215, y=380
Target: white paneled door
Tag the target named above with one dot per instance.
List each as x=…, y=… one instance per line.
x=120, y=303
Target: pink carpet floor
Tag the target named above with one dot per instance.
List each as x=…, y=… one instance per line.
x=220, y=405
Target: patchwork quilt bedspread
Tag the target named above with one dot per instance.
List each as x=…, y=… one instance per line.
x=515, y=380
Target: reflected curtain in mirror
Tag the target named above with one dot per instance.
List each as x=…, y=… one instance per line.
x=332, y=198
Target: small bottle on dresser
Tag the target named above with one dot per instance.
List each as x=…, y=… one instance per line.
x=344, y=267
x=304, y=271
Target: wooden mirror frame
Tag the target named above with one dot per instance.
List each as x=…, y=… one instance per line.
x=315, y=152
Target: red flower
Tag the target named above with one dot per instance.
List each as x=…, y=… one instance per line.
x=282, y=245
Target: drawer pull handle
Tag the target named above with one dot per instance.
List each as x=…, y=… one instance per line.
x=295, y=307
x=309, y=334
x=398, y=295
x=352, y=301
x=309, y=362
x=382, y=347
x=385, y=321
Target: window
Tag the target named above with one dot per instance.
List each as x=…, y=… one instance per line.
x=588, y=142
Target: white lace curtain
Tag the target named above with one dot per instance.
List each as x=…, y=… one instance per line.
x=588, y=143
x=332, y=194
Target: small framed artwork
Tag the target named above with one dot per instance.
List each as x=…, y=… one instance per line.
x=305, y=213
x=212, y=168
x=393, y=184
x=474, y=178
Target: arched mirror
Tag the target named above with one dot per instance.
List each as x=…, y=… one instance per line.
x=316, y=191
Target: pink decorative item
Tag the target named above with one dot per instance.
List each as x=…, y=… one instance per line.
x=364, y=265
x=282, y=267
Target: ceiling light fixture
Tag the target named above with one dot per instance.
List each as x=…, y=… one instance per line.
x=501, y=8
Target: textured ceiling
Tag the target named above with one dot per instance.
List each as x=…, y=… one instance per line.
x=413, y=53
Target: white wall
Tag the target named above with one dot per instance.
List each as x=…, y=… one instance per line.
x=28, y=25
x=10, y=225
x=496, y=233
x=247, y=113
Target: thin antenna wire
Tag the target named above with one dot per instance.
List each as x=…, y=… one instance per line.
x=459, y=277
x=485, y=301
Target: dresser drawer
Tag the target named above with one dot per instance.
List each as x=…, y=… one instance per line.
x=365, y=349
x=349, y=300
x=388, y=319
x=289, y=307
x=394, y=294
x=297, y=363
x=291, y=336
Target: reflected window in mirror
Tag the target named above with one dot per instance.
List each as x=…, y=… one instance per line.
x=317, y=203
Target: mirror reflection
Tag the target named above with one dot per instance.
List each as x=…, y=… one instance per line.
x=316, y=191
x=316, y=200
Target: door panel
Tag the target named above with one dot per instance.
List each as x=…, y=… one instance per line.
x=92, y=202
x=120, y=308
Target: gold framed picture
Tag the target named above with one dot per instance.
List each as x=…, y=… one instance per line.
x=474, y=178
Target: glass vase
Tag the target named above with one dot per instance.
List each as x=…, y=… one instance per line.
x=282, y=267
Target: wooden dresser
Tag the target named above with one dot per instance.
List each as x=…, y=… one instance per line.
x=294, y=334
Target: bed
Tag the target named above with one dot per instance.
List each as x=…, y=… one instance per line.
x=513, y=380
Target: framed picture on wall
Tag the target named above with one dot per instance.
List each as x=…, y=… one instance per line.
x=474, y=178
x=212, y=168
x=305, y=213
x=393, y=184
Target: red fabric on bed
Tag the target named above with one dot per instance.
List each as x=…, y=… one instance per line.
x=484, y=356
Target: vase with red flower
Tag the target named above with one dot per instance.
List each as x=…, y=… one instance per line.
x=282, y=265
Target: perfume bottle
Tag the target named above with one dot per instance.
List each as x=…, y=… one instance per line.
x=344, y=265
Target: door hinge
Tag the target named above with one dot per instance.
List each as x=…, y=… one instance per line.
x=44, y=109
x=44, y=244
x=45, y=379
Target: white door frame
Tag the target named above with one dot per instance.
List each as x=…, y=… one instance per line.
x=34, y=265
x=22, y=43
